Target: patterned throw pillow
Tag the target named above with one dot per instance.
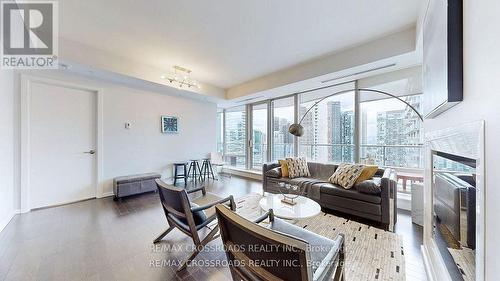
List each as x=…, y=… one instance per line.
x=297, y=167
x=346, y=175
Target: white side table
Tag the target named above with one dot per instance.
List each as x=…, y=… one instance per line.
x=417, y=203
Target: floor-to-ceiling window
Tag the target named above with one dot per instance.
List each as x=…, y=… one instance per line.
x=220, y=130
x=235, y=136
x=283, y=117
x=391, y=133
x=329, y=127
x=259, y=135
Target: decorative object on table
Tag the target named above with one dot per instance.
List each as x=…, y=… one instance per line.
x=303, y=207
x=290, y=192
x=169, y=124
x=442, y=56
x=297, y=167
x=346, y=175
x=296, y=129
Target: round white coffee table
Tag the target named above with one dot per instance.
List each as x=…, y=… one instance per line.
x=305, y=207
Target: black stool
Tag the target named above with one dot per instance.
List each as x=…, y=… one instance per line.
x=206, y=169
x=194, y=170
x=183, y=176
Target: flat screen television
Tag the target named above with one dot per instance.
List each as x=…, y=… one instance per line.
x=442, y=56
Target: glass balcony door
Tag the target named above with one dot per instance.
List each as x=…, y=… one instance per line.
x=259, y=140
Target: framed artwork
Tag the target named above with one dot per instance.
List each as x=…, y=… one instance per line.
x=169, y=124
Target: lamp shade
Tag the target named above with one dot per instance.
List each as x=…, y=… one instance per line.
x=296, y=130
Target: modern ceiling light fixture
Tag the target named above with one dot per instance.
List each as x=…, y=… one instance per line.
x=182, y=77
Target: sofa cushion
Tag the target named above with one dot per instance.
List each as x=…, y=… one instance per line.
x=368, y=187
x=368, y=172
x=321, y=171
x=297, y=167
x=284, y=168
x=274, y=173
x=346, y=175
x=336, y=190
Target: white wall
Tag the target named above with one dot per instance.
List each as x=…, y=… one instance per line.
x=143, y=148
x=7, y=208
x=482, y=101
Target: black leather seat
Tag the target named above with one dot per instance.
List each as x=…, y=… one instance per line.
x=352, y=193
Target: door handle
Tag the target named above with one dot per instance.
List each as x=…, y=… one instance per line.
x=92, y=151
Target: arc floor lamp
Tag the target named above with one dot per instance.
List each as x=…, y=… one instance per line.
x=296, y=129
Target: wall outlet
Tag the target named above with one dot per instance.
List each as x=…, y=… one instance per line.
x=127, y=125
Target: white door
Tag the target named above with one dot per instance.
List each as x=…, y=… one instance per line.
x=62, y=137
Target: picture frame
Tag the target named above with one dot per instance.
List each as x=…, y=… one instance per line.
x=169, y=124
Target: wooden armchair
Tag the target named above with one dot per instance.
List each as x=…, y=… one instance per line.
x=189, y=217
x=281, y=251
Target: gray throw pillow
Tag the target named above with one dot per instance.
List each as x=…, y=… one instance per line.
x=368, y=187
x=274, y=173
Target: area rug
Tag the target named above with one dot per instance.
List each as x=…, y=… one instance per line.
x=465, y=259
x=371, y=253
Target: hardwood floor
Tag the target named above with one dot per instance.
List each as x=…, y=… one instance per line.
x=101, y=239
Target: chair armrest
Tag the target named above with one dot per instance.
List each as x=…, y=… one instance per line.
x=203, y=190
x=333, y=261
x=269, y=214
x=229, y=199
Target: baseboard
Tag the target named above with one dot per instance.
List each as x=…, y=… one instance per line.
x=6, y=221
x=107, y=194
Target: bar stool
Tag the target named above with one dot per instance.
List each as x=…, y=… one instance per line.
x=206, y=169
x=194, y=170
x=178, y=175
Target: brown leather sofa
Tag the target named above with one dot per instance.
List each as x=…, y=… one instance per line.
x=379, y=207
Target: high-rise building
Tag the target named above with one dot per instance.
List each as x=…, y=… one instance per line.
x=334, y=118
x=311, y=136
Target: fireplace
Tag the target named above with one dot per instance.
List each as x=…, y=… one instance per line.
x=454, y=190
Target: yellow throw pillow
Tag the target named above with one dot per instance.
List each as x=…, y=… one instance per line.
x=284, y=168
x=368, y=172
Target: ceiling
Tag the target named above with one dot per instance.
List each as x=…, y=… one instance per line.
x=228, y=42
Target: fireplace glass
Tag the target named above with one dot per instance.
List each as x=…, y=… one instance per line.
x=454, y=213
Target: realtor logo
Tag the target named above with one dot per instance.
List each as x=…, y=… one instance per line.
x=29, y=34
